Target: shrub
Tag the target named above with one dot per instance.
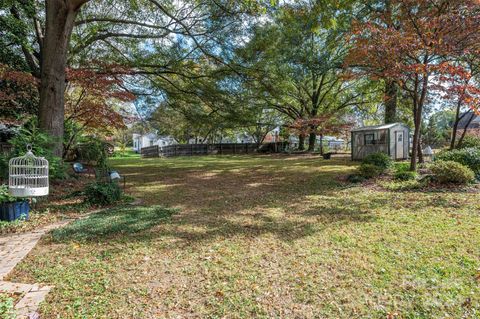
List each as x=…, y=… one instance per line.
x=41, y=143
x=370, y=170
x=469, y=157
x=5, y=196
x=102, y=193
x=404, y=175
x=378, y=159
x=93, y=150
x=450, y=172
x=402, y=167
x=470, y=142
x=355, y=178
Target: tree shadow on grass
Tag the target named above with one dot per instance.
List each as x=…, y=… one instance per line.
x=238, y=201
x=112, y=223
x=232, y=200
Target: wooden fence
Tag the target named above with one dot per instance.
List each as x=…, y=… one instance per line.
x=210, y=149
x=151, y=151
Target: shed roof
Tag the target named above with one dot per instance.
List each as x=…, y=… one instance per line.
x=376, y=127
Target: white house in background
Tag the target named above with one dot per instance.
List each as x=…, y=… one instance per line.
x=240, y=138
x=332, y=142
x=151, y=139
x=165, y=140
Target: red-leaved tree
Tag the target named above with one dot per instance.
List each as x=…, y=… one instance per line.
x=319, y=126
x=457, y=84
x=94, y=101
x=415, y=43
x=18, y=94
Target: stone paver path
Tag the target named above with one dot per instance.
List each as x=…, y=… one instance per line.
x=13, y=248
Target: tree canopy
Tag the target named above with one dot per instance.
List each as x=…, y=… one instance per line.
x=203, y=69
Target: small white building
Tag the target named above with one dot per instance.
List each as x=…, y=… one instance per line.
x=238, y=138
x=244, y=138
x=331, y=142
x=392, y=139
x=151, y=139
x=166, y=141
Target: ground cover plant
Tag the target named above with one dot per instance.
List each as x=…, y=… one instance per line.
x=263, y=237
x=6, y=306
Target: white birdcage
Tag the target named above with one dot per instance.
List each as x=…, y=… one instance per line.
x=28, y=175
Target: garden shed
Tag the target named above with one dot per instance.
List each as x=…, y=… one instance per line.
x=392, y=139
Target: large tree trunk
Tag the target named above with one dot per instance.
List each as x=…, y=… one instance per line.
x=311, y=142
x=60, y=17
x=301, y=142
x=391, y=90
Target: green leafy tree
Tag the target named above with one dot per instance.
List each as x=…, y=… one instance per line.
x=296, y=63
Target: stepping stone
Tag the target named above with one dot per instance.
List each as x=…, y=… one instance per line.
x=13, y=248
x=29, y=304
x=13, y=287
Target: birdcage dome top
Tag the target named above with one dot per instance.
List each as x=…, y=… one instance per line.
x=28, y=175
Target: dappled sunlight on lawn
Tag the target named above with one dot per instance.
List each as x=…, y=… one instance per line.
x=262, y=236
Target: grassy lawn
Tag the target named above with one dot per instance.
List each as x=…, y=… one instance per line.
x=263, y=237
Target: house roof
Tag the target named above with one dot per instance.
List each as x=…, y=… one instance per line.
x=465, y=118
x=376, y=127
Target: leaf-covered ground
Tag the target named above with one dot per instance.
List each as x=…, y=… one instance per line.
x=263, y=237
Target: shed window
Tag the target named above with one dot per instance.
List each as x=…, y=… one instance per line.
x=382, y=137
x=369, y=139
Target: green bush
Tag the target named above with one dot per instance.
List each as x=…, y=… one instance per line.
x=378, y=159
x=41, y=143
x=93, y=150
x=401, y=167
x=102, y=193
x=469, y=157
x=355, y=178
x=370, y=170
x=450, y=172
x=5, y=196
x=404, y=175
x=470, y=142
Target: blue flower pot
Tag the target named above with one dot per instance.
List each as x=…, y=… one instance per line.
x=14, y=211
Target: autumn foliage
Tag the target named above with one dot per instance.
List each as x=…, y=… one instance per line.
x=414, y=42
x=319, y=125
x=18, y=94
x=94, y=98
x=412, y=37
x=456, y=84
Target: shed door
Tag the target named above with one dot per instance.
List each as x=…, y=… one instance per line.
x=399, y=140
